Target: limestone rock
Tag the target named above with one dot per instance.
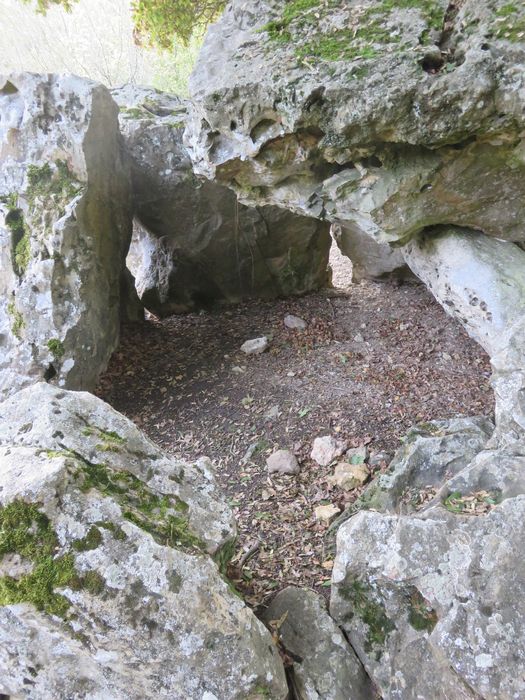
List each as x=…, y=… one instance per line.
x=432, y=453
x=357, y=455
x=480, y=281
x=349, y=476
x=65, y=225
x=255, y=346
x=325, y=666
x=294, y=323
x=134, y=606
x=326, y=514
x=282, y=462
x=370, y=260
x=327, y=448
x=193, y=243
x=383, y=117
x=435, y=597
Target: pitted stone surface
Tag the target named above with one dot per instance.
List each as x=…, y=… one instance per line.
x=65, y=224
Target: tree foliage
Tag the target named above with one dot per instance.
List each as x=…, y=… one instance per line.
x=158, y=22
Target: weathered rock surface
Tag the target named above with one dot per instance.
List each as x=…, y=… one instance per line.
x=65, y=224
x=434, y=605
x=440, y=592
x=113, y=593
x=327, y=448
x=481, y=282
x=370, y=260
x=283, y=462
x=193, y=243
x=325, y=666
x=255, y=346
x=383, y=116
x=432, y=454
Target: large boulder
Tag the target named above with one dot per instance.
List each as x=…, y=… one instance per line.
x=324, y=666
x=65, y=225
x=193, y=243
x=389, y=117
x=107, y=586
x=435, y=605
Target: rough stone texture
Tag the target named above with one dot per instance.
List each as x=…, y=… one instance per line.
x=193, y=243
x=432, y=453
x=440, y=594
x=383, y=116
x=349, y=476
x=434, y=605
x=255, y=346
x=327, y=448
x=294, y=323
x=140, y=609
x=370, y=260
x=325, y=666
x=481, y=282
x=283, y=462
x=65, y=224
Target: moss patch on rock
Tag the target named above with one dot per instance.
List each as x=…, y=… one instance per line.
x=363, y=599
x=25, y=531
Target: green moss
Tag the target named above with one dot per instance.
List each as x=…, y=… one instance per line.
x=111, y=441
x=117, y=532
x=92, y=540
x=93, y=583
x=20, y=243
x=223, y=557
x=26, y=531
x=56, y=347
x=17, y=320
x=421, y=615
x=370, y=37
x=363, y=600
x=163, y=516
x=510, y=23
x=53, y=185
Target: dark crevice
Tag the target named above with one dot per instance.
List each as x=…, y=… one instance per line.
x=444, y=53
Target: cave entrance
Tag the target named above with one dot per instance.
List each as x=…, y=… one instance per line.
x=375, y=358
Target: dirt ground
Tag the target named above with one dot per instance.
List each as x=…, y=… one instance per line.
x=374, y=359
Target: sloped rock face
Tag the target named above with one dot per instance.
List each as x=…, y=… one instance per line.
x=432, y=453
x=434, y=604
x=65, y=225
x=390, y=117
x=325, y=666
x=194, y=244
x=107, y=588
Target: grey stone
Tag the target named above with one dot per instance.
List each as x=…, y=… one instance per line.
x=370, y=114
x=327, y=448
x=431, y=455
x=65, y=225
x=194, y=244
x=434, y=605
x=140, y=609
x=324, y=666
x=256, y=346
x=370, y=260
x=294, y=323
x=283, y=462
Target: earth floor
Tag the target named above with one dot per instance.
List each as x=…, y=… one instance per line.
x=375, y=359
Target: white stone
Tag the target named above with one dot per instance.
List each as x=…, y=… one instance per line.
x=294, y=323
x=282, y=462
x=327, y=448
x=256, y=346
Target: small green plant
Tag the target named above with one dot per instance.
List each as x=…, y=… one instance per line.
x=17, y=320
x=56, y=347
